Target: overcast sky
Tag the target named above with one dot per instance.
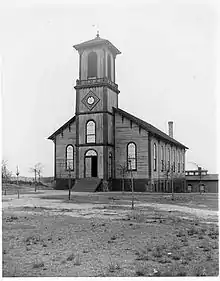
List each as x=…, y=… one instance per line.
x=166, y=71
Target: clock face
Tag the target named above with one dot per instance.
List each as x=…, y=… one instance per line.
x=90, y=100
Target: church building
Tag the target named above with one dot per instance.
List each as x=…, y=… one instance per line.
x=102, y=146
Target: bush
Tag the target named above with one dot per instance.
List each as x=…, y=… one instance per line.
x=38, y=265
x=112, y=267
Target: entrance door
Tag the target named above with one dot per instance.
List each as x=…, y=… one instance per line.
x=91, y=167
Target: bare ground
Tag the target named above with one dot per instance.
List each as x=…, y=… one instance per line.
x=98, y=234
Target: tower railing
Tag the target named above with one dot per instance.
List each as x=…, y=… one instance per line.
x=96, y=81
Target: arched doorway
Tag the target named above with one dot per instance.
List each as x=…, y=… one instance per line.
x=91, y=164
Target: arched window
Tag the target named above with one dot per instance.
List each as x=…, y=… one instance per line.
x=109, y=67
x=183, y=162
x=168, y=162
x=90, y=132
x=131, y=157
x=92, y=65
x=110, y=166
x=162, y=159
x=69, y=157
x=91, y=152
x=174, y=160
x=178, y=161
x=155, y=157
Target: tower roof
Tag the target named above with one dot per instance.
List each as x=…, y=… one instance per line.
x=95, y=42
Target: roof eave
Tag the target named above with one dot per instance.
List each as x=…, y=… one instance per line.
x=52, y=137
x=154, y=133
x=94, y=43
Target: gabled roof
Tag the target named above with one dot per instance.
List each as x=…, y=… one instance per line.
x=95, y=42
x=64, y=126
x=149, y=127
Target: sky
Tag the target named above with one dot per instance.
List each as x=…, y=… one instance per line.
x=167, y=71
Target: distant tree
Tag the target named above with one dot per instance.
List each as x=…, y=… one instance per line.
x=37, y=170
x=6, y=173
x=169, y=170
x=123, y=172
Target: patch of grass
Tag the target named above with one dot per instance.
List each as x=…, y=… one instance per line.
x=158, y=251
x=71, y=257
x=138, y=216
x=181, y=233
x=189, y=254
x=176, y=256
x=164, y=259
x=33, y=239
x=11, y=218
x=178, y=270
x=193, y=230
x=38, y=265
x=77, y=260
x=199, y=270
x=213, y=232
x=205, y=245
x=112, y=267
x=113, y=237
x=142, y=255
x=141, y=270
x=209, y=256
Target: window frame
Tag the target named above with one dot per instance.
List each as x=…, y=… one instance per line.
x=178, y=154
x=109, y=67
x=68, y=159
x=89, y=67
x=155, y=157
x=86, y=133
x=135, y=157
x=168, y=161
x=110, y=165
x=174, y=161
x=162, y=158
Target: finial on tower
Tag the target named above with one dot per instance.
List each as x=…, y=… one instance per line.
x=97, y=34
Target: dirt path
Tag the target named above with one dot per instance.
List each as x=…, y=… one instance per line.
x=193, y=211
x=89, y=210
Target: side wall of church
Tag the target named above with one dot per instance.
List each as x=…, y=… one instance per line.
x=161, y=173
x=125, y=132
x=68, y=136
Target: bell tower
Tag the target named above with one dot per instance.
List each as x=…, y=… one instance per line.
x=96, y=95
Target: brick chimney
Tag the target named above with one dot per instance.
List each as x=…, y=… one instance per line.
x=170, y=126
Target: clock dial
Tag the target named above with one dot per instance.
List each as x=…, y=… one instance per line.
x=90, y=100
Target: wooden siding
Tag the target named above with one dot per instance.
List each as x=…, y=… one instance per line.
x=110, y=129
x=98, y=118
x=125, y=134
x=112, y=100
x=98, y=91
x=162, y=175
x=69, y=137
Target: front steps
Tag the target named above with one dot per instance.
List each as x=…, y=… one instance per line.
x=86, y=185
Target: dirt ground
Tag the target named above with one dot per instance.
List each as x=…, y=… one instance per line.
x=97, y=234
